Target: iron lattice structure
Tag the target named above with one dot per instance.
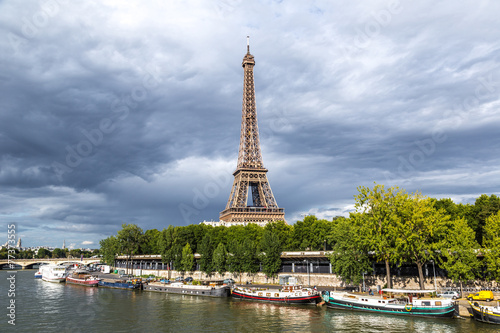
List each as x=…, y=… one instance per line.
x=250, y=173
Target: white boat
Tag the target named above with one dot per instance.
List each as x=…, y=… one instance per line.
x=399, y=302
x=53, y=273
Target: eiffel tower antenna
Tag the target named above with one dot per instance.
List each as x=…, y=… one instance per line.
x=250, y=173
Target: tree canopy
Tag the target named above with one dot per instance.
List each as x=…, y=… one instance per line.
x=388, y=225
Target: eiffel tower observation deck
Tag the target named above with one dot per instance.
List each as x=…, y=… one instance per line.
x=250, y=175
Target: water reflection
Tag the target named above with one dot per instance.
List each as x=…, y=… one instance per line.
x=279, y=316
x=348, y=321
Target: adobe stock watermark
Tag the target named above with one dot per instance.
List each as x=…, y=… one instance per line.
x=409, y=164
x=121, y=109
x=12, y=275
x=225, y=7
x=32, y=25
x=380, y=19
x=279, y=123
x=203, y=195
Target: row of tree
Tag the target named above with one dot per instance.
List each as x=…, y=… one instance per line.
x=235, y=249
x=388, y=225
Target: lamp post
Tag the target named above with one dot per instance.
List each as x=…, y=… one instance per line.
x=434, y=269
x=364, y=289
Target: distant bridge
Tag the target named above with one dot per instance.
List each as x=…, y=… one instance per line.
x=29, y=263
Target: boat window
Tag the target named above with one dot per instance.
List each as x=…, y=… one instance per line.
x=438, y=303
x=426, y=303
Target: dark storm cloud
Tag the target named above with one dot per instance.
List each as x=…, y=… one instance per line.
x=130, y=113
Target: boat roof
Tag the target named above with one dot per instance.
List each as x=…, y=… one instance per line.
x=408, y=291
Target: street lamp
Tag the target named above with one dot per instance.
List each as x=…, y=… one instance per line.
x=434, y=269
x=364, y=289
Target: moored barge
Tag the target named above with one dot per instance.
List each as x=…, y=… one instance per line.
x=121, y=284
x=211, y=290
x=408, y=303
x=287, y=294
x=485, y=313
x=82, y=278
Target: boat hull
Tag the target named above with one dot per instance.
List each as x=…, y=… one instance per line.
x=119, y=285
x=485, y=314
x=81, y=282
x=55, y=280
x=400, y=310
x=309, y=299
x=187, y=290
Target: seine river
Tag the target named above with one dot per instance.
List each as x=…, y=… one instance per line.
x=48, y=307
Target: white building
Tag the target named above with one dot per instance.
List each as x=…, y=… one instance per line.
x=230, y=224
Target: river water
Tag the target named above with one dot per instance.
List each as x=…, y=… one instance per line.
x=49, y=307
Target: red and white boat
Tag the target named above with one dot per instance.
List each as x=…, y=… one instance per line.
x=290, y=292
x=83, y=278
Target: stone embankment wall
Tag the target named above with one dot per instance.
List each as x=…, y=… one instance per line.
x=327, y=280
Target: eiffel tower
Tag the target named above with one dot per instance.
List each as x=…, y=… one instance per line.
x=250, y=172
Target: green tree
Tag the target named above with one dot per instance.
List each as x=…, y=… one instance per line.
x=75, y=253
x=492, y=247
x=27, y=254
x=270, y=253
x=303, y=236
x=206, y=252
x=129, y=240
x=109, y=249
x=187, y=260
x=166, y=244
x=448, y=207
x=284, y=231
x=379, y=217
x=234, y=257
x=151, y=242
x=58, y=253
x=484, y=207
x=253, y=232
x=219, y=259
x=418, y=231
x=349, y=256
x=249, y=257
x=43, y=253
x=458, y=252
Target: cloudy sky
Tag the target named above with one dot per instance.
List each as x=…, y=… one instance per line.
x=118, y=112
